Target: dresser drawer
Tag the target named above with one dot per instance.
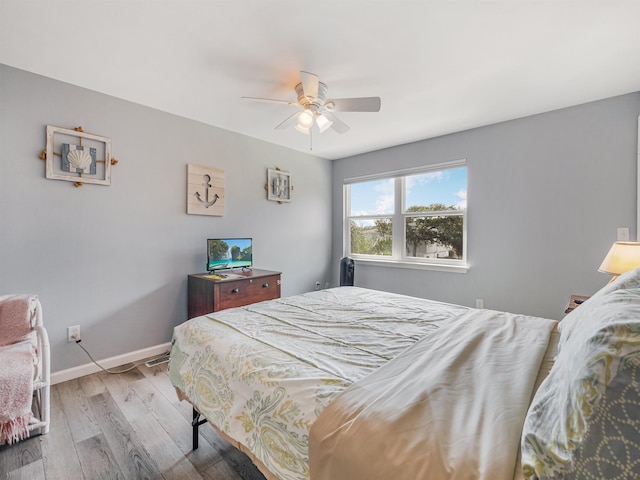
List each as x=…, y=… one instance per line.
x=208, y=293
x=237, y=293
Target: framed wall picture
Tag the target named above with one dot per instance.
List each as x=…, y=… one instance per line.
x=278, y=185
x=77, y=156
x=205, y=190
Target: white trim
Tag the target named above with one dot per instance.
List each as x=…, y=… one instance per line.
x=89, y=368
x=397, y=222
x=346, y=237
x=407, y=171
x=441, y=267
x=638, y=187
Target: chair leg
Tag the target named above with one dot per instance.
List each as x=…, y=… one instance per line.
x=45, y=401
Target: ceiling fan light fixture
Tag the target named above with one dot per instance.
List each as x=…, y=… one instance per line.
x=302, y=129
x=305, y=119
x=323, y=122
x=317, y=109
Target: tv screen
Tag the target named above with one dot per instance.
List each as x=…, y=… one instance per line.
x=229, y=253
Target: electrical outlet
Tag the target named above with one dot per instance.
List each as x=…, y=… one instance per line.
x=326, y=285
x=73, y=333
x=479, y=303
x=317, y=285
x=623, y=234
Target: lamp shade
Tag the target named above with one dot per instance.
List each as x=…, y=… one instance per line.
x=622, y=257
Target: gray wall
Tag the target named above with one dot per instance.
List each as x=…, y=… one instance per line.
x=545, y=196
x=115, y=259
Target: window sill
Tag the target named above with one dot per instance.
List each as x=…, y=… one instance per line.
x=440, y=267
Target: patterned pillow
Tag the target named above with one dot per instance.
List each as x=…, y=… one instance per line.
x=611, y=445
x=603, y=331
x=626, y=281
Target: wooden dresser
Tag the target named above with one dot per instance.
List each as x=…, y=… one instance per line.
x=206, y=293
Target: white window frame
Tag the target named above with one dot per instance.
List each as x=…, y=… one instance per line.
x=398, y=218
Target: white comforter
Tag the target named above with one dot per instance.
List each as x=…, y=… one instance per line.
x=451, y=407
x=261, y=374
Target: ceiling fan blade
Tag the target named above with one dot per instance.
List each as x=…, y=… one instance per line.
x=271, y=100
x=309, y=84
x=290, y=121
x=361, y=104
x=337, y=124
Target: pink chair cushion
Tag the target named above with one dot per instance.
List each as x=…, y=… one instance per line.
x=17, y=314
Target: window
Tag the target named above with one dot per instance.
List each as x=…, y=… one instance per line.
x=414, y=218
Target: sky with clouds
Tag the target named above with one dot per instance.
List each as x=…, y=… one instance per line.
x=376, y=197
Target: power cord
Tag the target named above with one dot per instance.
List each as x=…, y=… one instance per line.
x=135, y=365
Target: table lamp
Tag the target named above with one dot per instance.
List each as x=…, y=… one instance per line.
x=622, y=257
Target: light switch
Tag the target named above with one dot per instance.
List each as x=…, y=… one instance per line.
x=623, y=234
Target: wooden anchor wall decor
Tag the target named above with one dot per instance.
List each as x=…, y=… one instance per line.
x=84, y=157
x=205, y=190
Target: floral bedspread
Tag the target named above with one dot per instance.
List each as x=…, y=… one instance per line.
x=263, y=373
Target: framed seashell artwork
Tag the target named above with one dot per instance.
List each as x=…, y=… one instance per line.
x=78, y=159
x=77, y=156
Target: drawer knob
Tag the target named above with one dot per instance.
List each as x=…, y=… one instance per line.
x=235, y=290
x=265, y=285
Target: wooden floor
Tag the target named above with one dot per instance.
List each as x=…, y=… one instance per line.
x=127, y=426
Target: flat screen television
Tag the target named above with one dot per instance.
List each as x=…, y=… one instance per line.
x=229, y=253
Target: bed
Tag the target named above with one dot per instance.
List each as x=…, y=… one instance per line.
x=350, y=383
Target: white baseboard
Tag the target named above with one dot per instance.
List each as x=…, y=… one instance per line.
x=89, y=368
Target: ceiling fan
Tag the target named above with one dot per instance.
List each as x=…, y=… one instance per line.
x=316, y=109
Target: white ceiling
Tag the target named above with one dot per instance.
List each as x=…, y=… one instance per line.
x=439, y=66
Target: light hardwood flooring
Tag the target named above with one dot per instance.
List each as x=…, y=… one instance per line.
x=126, y=426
